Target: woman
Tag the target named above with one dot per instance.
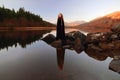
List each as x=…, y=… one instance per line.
x=60, y=27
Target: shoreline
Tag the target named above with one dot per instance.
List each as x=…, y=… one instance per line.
x=29, y=28
x=25, y=28
x=48, y=28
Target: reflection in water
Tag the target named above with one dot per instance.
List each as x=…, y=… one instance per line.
x=103, y=55
x=114, y=65
x=39, y=62
x=60, y=57
x=23, y=38
x=96, y=54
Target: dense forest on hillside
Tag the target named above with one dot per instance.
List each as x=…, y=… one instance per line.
x=20, y=18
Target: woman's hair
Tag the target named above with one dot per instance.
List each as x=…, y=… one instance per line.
x=60, y=15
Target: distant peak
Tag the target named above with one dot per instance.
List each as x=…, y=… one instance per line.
x=75, y=23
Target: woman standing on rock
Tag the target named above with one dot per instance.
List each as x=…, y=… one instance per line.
x=60, y=27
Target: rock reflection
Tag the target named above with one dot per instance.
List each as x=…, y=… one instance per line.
x=103, y=55
x=96, y=55
x=60, y=57
x=115, y=65
x=23, y=38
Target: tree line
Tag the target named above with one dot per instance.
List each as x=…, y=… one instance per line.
x=20, y=18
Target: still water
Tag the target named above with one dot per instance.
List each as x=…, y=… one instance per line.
x=24, y=56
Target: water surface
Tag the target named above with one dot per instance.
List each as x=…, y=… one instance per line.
x=24, y=56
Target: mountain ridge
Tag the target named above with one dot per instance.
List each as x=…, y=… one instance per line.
x=102, y=24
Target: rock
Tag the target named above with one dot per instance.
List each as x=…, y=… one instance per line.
x=116, y=44
x=78, y=46
x=116, y=57
x=106, y=46
x=115, y=65
x=97, y=37
x=69, y=36
x=67, y=47
x=110, y=45
x=78, y=34
x=79, y=42
x=116, y=28
x=49, y=38
x=81, y=36
x=57, y=44
x=105, y=41
x=118, y=35
x=93, y=47
x=93, y=38
x=69, y=42
x=114, y=37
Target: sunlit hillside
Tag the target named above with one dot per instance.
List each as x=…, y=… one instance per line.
x=102, y=24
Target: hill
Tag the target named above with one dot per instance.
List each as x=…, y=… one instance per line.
x=74, y=23
x=102, y=24
x=20, y=18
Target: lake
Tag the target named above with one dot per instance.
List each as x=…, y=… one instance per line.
x=24, y=56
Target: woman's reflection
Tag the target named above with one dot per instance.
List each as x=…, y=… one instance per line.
x=60, y=57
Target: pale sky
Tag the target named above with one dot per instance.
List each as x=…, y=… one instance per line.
x=72, y=9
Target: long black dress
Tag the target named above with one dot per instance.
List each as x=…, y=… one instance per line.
x=60, y=29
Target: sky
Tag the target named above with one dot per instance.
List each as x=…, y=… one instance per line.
x=72, y=10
